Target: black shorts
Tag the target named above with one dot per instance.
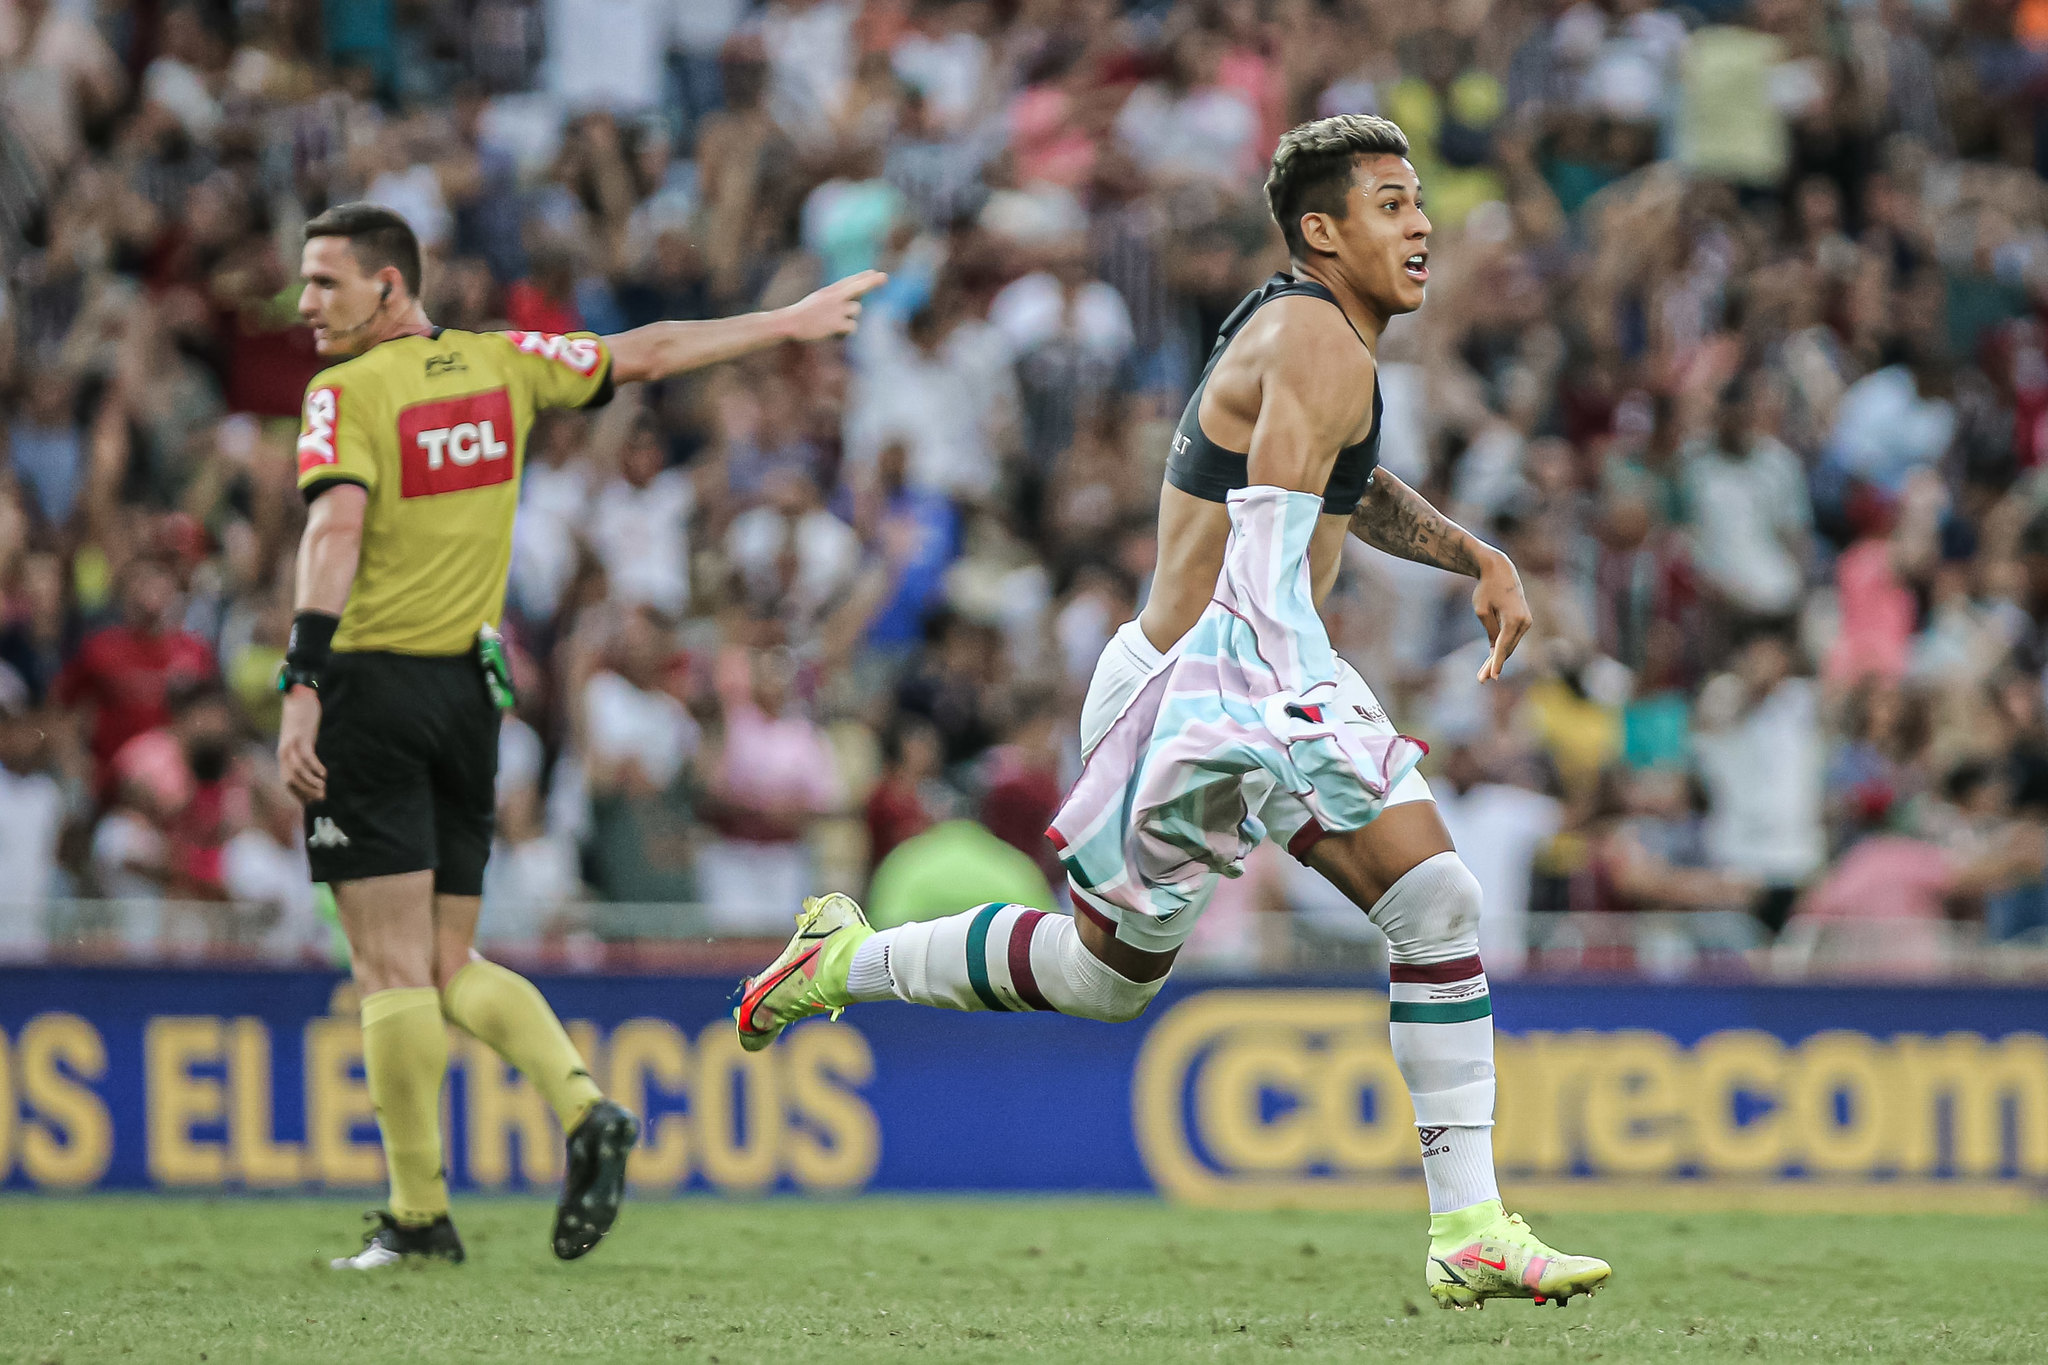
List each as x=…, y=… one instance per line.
x=410, y=745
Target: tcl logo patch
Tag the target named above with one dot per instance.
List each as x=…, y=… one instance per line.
x=455, y=444
x=580, y=354
x=316, y=436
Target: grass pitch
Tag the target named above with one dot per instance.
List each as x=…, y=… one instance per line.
x=698, y=1280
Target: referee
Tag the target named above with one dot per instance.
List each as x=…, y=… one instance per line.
x=410, y=457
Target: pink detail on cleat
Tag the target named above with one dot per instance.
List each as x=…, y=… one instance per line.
x=757, y=990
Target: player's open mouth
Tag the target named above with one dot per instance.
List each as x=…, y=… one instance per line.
x=1417, y=267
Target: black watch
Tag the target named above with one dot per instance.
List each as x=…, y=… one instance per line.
x=290, y=675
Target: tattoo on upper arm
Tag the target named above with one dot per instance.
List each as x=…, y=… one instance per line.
x=1395, y=518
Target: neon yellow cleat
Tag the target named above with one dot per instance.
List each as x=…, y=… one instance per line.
x=1485, y=1252
x=810, y=976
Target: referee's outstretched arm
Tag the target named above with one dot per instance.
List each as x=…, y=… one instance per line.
x=353, y=309
x=661, y=349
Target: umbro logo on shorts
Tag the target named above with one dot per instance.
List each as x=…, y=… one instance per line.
x=326, y=834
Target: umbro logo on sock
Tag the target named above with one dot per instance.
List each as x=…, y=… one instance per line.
x=1430, y=1136
x=326, y=834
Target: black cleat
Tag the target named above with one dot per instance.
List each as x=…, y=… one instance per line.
x=392, y=1241
x=595, y=1183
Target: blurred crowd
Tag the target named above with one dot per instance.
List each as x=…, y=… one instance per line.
x=1735, y=342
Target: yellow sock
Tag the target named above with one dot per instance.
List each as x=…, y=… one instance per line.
x=504, y=1010
x=405, y=1052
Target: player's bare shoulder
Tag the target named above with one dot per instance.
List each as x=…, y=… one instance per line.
x=1307, y=347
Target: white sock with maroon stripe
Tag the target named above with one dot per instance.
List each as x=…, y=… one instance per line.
x=1440, y=1023
x=994, y=957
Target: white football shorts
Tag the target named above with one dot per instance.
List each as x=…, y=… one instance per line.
x=1127, y=660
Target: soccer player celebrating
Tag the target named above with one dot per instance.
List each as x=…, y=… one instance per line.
x=1221, y=715
x=394, y=679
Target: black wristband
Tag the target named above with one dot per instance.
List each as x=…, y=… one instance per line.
x=311, y=639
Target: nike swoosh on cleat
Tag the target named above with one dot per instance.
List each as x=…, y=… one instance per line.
x=1501, y=1264
x=753, y=998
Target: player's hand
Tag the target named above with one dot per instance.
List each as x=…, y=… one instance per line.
x=1500, y=606
x=833, y=311
x=304, y=775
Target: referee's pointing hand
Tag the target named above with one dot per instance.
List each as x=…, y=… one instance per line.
x=833, y=311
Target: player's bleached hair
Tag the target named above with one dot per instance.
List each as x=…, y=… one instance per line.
x=1312, y=167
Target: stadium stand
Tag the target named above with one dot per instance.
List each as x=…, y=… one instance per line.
x=1737, y=343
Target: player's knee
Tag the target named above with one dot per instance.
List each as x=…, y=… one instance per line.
x=1097, y=991
x=1432, y=913
x=1124, y=1007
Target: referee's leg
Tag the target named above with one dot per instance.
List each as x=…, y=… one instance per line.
x=501, y=1008
x=371, y=838
x=506, y=1012
x=389, y=921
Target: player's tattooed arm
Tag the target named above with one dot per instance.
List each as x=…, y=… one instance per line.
x=1395, y=518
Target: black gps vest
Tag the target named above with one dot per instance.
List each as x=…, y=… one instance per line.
x=1201, y=467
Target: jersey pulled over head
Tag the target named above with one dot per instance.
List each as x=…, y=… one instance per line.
x=361, y=267
x=1350, y=207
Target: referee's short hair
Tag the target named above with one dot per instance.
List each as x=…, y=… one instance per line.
x=377, y=236
x=1312, y=168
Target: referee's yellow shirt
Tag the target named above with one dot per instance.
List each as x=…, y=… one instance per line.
x=435, y=428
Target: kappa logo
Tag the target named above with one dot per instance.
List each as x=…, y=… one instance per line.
x=316, y=437
x=326, y=834
x=580, y=354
